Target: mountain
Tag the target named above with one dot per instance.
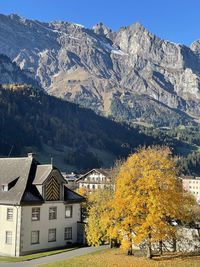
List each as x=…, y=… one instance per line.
x=131, y=75
x=76, y=138
x=10, y=73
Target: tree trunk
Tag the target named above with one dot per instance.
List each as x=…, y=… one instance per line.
x=130, y=250
x=174, y=245
x=111, y=243
x=149, y=251
x=161, y=247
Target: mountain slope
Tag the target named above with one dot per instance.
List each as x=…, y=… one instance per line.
x=76, y=138
x=32, y=120
x=10, y=73
x=108, y=71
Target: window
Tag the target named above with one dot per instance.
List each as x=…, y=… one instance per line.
x=68, y=233
x=9, y=214
x=35, y=214
x=52, y=213
x=68, y=211
x=4, y=187
x=52, y=235
x=93, y=186
x=9, y=237
x=35, y=237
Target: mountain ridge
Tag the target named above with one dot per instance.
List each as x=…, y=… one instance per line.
x=103, y=69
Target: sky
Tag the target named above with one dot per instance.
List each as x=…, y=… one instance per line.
x=177, y=21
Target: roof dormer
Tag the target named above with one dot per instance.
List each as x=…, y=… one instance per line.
x=7, y=186
x=49, y=182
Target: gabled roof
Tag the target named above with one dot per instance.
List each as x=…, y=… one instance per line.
x=11, y=169
x=23, y=175
x=105, y=172
x=71, y=196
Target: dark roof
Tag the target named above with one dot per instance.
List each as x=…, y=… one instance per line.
x=21, y=176
x=105, y=172
x=71, y=196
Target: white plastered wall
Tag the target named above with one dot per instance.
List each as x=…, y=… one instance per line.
x=10, y=225
x=44, y=224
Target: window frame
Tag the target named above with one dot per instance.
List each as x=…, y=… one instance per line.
x=67, y=233
x=9, y=215
x=38, y=237
x=34, y=212
x=52, y=230
x=8, y=239
x=52, y=217
x=71, y=211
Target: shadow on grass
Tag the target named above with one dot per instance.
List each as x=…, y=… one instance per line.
x=168, y=256
x=38, y=255
x=178, y=255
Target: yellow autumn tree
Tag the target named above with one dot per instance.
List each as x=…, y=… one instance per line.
x=147, y=199
x=98, y=209
x=83, y=191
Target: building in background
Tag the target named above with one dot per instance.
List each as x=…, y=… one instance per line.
x=192, y=185
x=96, y=179
x=37, y=210
x=70, y=179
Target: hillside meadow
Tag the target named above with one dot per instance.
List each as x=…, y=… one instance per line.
x=117, y=258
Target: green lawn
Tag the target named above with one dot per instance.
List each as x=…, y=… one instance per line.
x=35, y=255
x=117, y=258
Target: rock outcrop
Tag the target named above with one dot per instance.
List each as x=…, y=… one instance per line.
x=123, y=74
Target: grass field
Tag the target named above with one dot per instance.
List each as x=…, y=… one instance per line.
x=117, y=258
x=35, y=255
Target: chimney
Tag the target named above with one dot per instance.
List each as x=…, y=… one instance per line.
x=31, y=155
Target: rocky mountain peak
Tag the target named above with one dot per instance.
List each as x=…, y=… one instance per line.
x=134, y=38
x=17, y=18
x=100, y=28
x=195, y=46
x=105, y=70
x=137, y=26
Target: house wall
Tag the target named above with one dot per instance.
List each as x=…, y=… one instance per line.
x=44, y=224
x=192, y=186
x=10, y=225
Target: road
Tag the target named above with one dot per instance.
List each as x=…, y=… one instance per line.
x=53, y=258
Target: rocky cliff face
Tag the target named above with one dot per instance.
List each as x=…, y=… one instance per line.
x=10, y=73
x=130, y=74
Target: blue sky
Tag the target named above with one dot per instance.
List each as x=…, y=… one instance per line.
x=177, y=21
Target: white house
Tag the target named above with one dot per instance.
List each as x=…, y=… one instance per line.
x=96, y=179
x=192, y=185
x=37, y=210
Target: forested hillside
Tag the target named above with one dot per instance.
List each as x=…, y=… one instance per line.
x=33, y=120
